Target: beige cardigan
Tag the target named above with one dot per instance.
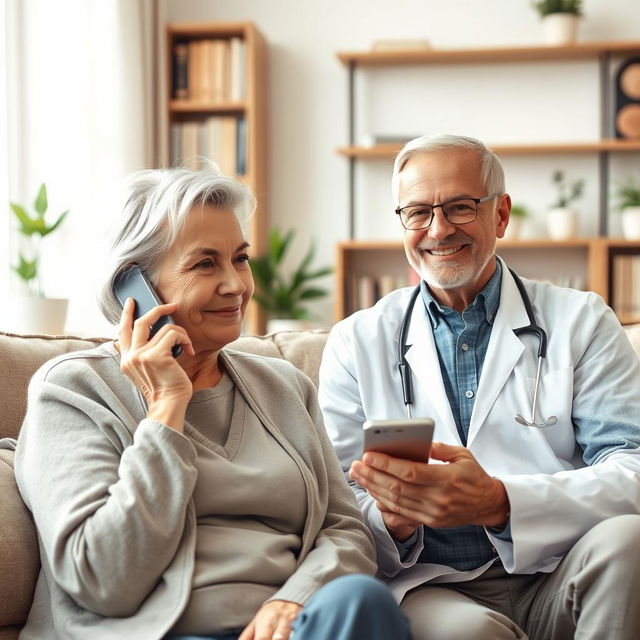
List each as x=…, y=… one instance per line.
x=117, y=539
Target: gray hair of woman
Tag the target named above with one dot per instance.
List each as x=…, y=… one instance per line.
x=157, y=204
x=492, y=171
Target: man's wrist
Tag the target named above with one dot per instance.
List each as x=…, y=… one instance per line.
x=501, y=512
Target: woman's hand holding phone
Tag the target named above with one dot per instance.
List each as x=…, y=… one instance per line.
x=150, y=364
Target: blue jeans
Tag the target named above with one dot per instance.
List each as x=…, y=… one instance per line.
x=348, y=608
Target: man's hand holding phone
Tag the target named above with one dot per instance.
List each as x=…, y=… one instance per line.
x=150, y=364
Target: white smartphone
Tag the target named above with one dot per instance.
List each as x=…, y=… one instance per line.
x=408, y=438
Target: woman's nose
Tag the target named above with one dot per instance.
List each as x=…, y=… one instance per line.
x=232, y=283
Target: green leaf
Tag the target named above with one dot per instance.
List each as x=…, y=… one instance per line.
x=27, y=269
x=27, y=224
x=308, y=294
x=56, y=224
x=41, y=201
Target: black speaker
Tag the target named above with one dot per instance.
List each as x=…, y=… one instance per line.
x=627, y=122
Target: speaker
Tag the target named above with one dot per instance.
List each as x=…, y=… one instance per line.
x=628, y=100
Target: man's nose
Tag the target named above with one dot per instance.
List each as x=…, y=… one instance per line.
x=440, y=227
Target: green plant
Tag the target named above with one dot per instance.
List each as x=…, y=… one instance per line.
x=281, y=295
x=567, y=192
x=519, y=211
x=545, y=7
x=628, y=194
x=34, y=229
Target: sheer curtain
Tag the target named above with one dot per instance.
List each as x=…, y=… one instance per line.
x=81, y=76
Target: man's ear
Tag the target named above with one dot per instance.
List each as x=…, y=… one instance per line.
x=502, y=214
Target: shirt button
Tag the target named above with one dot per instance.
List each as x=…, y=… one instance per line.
x=464, y=346
x=469, y=393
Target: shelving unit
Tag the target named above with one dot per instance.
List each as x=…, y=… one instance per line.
x=587, y=263
x=250, y=108
x=602, y=146
x=591, y=262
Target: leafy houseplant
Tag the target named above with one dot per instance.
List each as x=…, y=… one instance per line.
x=34, y=228
x=281, y=295
x=547, y=7
x=628, y=197
x=567, y=192
x=517, y=214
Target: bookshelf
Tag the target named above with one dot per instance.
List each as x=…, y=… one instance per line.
x=216, y=107
x=608, y=266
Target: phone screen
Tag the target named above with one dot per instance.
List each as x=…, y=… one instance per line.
x=132, y=283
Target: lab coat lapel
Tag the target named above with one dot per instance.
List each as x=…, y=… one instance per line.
x=503, y=352
x=422, y=357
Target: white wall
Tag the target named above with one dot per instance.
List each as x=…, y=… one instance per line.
x=499, y=103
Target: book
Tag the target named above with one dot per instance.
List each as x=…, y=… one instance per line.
x=206, y=77
x=229, y=148
x=190, y=144
x=213, y=150
x=194, y=69
x=241, y=146
x=219, y=57
x=236, y=69
x=181, y=71
x=176, y=144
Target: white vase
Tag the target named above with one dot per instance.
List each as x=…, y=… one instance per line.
x=562, y=223
x=631, y=223
x=37, y=315
x=559, y=28
x=287, y=324
x=513, y=228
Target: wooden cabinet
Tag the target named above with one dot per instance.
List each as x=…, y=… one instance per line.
x=365, y=270
x=216, y=106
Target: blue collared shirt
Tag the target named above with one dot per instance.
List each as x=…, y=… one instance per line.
x=461, y=341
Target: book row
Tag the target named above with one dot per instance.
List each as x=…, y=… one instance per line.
x=209, y=71
x=626, y=285
x=222, y=139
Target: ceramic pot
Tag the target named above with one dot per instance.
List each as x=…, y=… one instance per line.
x=559, y=28
x=514, y=228
x=38, y=315
x=631, y=223
x=562, y=223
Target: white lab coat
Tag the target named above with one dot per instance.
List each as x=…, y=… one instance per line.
x=555, y=497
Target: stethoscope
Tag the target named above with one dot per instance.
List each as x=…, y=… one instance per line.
x=532, y=328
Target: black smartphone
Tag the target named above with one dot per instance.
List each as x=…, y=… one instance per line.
x=408, y=438
x=132, y=283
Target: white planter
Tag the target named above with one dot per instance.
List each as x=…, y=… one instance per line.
x=287, y=324
x=34, y=314
x=513, y=228
x=562, y=223
x=631, y=223
x=559, y=28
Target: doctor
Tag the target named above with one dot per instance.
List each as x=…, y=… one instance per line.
x=512, y=530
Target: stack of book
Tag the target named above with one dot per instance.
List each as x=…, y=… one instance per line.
x=222, y=139
x=366, y=290
x=626, y=286
x=209, y=71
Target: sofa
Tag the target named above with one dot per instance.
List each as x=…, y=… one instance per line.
x=20, y=356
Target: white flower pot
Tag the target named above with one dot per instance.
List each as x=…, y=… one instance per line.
x=631, y=223
x=559, y=28
x=35, y=314
x=562, y=223
x=287, y=324
x=513, y=228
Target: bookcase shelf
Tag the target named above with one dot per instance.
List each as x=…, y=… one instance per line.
x=365, y=269
x=226, y=120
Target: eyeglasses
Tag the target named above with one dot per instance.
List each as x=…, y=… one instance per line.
x=456, y=211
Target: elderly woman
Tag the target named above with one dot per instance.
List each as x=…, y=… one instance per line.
x=195, y=496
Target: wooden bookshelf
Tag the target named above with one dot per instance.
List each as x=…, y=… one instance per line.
x=249, y=159
x=585, y=263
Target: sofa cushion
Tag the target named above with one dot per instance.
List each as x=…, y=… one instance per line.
x=19, y=555
x=20, y=357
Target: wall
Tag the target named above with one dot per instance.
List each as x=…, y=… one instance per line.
x=308, y=101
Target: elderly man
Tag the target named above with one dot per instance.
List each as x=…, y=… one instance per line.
x=525, y=522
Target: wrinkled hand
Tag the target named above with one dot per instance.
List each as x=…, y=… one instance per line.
x=457, y=493
x=151, y=366
x=272, y=622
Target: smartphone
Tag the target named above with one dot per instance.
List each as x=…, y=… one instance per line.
x=132, y=283
x=408, y=438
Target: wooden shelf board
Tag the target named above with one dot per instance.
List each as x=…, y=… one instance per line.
x=192, y=106
x=577, y=51
x=390, y=150
x=221, y=29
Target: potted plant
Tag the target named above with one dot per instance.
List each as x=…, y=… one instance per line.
x=283, y=294
x=562, y=220
x=628, y=196
x=36, y=313
x=559, y=20
x=517, y=215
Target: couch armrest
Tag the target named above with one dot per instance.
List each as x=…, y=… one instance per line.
x=19, y=555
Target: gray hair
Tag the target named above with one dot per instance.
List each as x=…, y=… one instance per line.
x=492, y=171
x=157, y=204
